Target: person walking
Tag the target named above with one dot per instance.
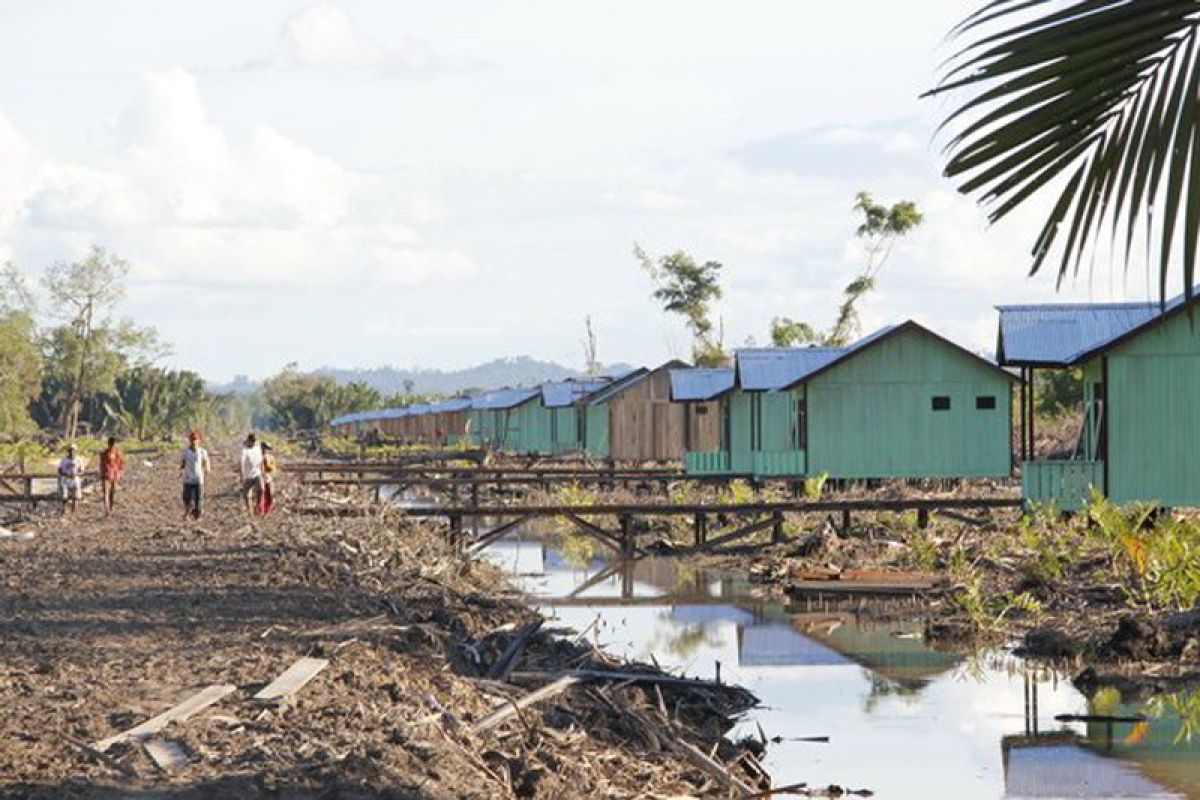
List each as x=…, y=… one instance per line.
x=195, y=465
x=70, y=479
x=112, y=469
x=250, y=468
x=269, y=468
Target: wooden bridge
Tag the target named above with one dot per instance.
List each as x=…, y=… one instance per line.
x=17, y=488
x=706, y=518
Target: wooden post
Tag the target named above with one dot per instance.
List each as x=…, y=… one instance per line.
x=456, y=531
x=475, y=494
x=700, y=529
x=922, y=518
x=845, y=521
x=777, y=528
x=627, y=544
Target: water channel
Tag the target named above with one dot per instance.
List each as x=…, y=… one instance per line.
x=903, y=719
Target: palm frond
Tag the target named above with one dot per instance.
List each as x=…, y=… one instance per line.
x=1098, y=100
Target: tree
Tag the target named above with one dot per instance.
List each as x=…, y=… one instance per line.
x=687, y=288
x=151, y=401
x=1097, y=100
x=590, y=363
x=85, y=354
x=787, y=332
x=20, y=357
x=881, y=228
x=300, y=401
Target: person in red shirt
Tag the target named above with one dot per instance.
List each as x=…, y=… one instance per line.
x=112, y=469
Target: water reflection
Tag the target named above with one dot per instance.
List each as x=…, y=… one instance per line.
x=903, y=718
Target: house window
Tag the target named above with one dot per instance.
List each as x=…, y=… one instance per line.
x=941, y=402
x=985, y=402
x=701, y=410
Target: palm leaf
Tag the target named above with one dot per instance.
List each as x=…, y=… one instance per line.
x=1097, y=100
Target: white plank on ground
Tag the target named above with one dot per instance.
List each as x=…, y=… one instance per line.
x=193, y=705
x=291, y=680
x=169, y=756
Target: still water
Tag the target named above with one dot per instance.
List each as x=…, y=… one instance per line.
x=903, y=719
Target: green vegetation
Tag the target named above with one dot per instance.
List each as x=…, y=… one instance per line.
x=303, y=402
x=881, y=227
x=688, y=288
x=1155, y=557
x=1096, y=102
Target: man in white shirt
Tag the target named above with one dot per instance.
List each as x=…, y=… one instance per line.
x=70, y=479
x=252, y=474
x=195, y=465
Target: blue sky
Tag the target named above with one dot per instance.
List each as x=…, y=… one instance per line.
x=360, y=183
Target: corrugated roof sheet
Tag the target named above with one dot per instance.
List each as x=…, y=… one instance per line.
x=503, y=398
x=450, y=406
x=1054, y=335
x=560, y=394
x=701, y=383
x=766, y=369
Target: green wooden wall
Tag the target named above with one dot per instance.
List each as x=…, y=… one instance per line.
x=872, y=415
x=1153, y=409
x=597, y=431
x=760, y=422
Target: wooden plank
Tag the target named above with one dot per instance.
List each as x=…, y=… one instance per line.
x=665, y=509
x=178, y=713
x=167, y=755
x=612, y=675
x=291, y=680
x=510, y=709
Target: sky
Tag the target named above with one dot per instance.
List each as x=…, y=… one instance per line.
x=360, y=183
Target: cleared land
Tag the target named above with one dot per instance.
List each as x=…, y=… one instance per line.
x=108, y=623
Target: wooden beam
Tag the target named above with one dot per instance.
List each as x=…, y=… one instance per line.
x=511, y=708
x=178, y=713
x=291, y=680
x=495, y=533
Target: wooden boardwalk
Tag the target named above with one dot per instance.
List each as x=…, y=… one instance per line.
x=705, y=518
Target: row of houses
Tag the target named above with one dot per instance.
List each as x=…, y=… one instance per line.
x=903, y=402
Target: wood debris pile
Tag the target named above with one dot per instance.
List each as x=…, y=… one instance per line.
x=300, y=656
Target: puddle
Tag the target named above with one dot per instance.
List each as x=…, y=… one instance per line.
x=903, y=719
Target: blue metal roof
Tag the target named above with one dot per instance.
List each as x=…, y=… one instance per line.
x=561, y=394
x=1056, y=334
x=701, y=383
x=766, y=369
x=450, y=406
x=503, y=398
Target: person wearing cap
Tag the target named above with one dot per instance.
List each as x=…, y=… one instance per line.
x=195, y=465
x=250, y=469
x=112, y=469
x=70, y=479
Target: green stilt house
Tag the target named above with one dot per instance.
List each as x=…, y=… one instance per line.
x=495, y=417
x=903, y=402
x=1138, y=439
x=551, y=422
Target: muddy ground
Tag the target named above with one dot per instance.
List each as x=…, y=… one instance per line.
x=105, y=623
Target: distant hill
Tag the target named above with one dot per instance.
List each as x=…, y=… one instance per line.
x=515, y=371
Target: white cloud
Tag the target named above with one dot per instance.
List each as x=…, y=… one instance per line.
x=186, y=204
x=323, y=36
